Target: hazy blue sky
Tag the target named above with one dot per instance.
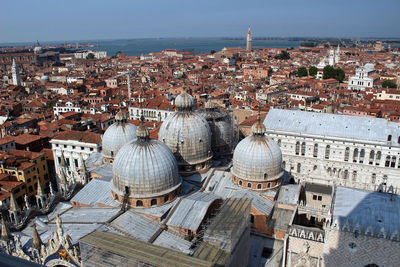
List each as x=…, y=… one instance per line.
x=46, y=20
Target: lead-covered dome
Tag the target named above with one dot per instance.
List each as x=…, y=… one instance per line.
x=147, y=170
x=257, y=161
x=118, y=134
x=188, y=136
x=221, y=129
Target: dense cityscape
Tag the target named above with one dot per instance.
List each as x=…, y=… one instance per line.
x=244, y=156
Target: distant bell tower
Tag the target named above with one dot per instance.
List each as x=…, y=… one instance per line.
x=15, y=73
x=248, y=44
x=332, y=57
x=337, y=54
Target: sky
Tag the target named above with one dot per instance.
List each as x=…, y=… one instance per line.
x=55, y=20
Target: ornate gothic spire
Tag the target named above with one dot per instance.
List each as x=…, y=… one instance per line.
x=13, y=203
x=5, y=232
x=37, y=242
x=40, y=192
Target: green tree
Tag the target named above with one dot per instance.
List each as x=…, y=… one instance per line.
x=213, y=52
x=90, y=56
x=283, y=55
x=117, y=54
x=204, y=67
x=313, y=71
x=331, y=72
x=389, y=84
x=302, y=71
x=51, y=103
x=339, y=74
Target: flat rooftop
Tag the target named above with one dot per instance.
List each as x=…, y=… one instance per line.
x=111, y=248
x=332, y=125
x=367, y=209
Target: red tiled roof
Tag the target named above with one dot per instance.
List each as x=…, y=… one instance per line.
x=85, y=137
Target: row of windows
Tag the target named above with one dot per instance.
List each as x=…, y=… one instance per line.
x=67, y=162
x=153, y=202
x=74, y=147
x=259, y=186
x=345, y=174
x=358, y=155
x=302, y=148
x=316, y=197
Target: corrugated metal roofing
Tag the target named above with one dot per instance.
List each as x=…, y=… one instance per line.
x=165, y=239
x=88, y=215
x=134, y=250
x=191, y=211
x=96, y=191
x=222, y=185
x=136, y=225
x=334, y=125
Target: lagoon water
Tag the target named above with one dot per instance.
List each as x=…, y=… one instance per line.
x=137, y=47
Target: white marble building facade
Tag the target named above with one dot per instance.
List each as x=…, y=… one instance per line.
x=324, y=148
x=60, y=108
x=73, y=153
x=149, y=113
x=361, y=80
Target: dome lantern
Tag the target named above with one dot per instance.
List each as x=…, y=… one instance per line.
x=258, y=128
x=184, y=102
x=142, y=132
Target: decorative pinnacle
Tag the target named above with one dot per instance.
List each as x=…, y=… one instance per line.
x=37, y=242
x=5, y=232
x=142, y=131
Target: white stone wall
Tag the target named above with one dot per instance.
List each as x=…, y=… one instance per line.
x=149, y=114
x=72, y=150
x=301, y=252
x=369, y=174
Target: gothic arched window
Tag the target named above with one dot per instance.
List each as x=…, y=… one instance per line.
x=347, y=154
x=303, y=148
x=362, y=155
x=355, y=155
x=327, y=151
x=371, y=156
x=378, y=158
x=387, y=162
x=315, y=153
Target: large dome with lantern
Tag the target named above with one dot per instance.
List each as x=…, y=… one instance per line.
x=118, y=134
x=146, y=171
x=257, y=161
x=188, y=135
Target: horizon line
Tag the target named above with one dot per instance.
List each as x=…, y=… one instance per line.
x=366, y=38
